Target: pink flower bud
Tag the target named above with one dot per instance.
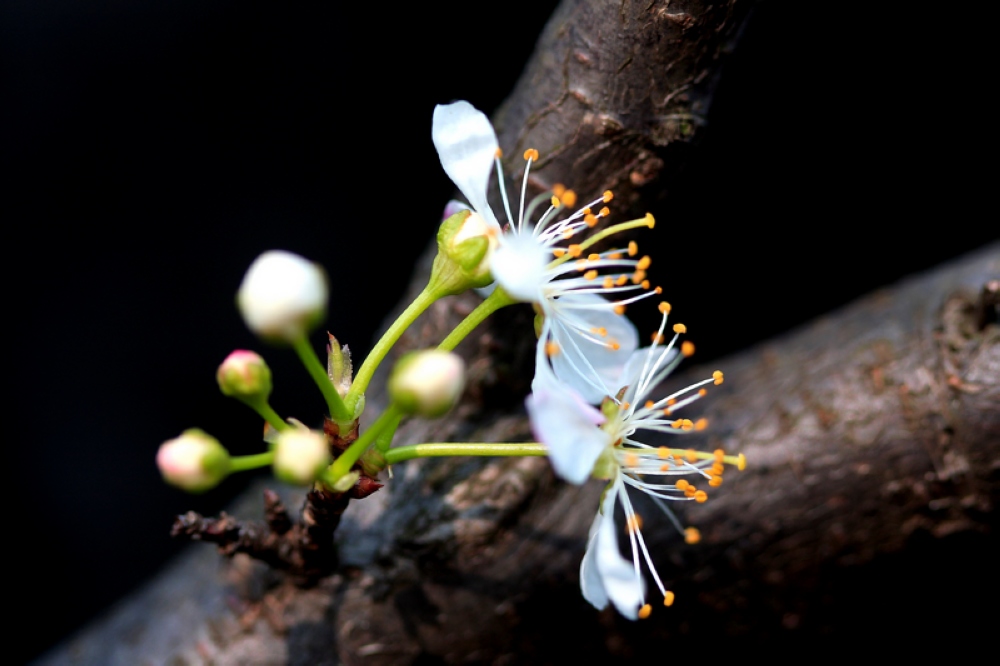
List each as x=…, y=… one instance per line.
x=194, y=462
x=244, y=374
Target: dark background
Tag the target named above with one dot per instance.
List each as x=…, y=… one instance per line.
x=153, y=149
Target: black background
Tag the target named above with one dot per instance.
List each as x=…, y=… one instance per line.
x=152, y=149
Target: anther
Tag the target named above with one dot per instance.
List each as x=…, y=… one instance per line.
x=682, y=484
x=645, y=285
x=650, y=222
x=591, y=274
x=605, y=211
x=608, y=282
x=555, y=201
x=717, y=376
x=701, y=424
x=498, y=153
x=692, y=535
x=658, y=291
x=715, y=481
x=741, y=462
x=681, y=328
x=644, y=263
x=613, y=345
x=593, y=256
x=568, y=198
x=691, y=454
x=634, y=523
x=668, y=598
x=663, y=452
x=531, y=154
x=590, y=220
x=551, y=348
x=575, y=250
x=633, y=248
x=664, y=307
x=649, y=404
x=558, y=189
x=702, y=392
x=619, y=309
x=608, y=196
x=658, y=337
x=622, y=280
x=687, y=348
x=701, y=497
x=559, y=251
x=645, y=611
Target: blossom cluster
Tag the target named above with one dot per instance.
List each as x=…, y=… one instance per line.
x=587, y=354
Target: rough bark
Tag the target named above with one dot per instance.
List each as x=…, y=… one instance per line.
x=872, y=434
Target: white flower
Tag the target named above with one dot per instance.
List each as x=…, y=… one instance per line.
x=536, y=262
x=617, y=451
x=282, y=296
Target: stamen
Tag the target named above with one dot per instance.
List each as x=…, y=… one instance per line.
x=531, y=154
x=701, y=424
x=701, y=497
x=692, y=535
x=687, y=348
x=644, y=263
x=568, y=198
x=668, y=598
x=552, y=348
x=633, y=248
x=681, y=328
x=664, y=307
x=650, y=222
x=646, y=610
x=498, y=153
x=717, y=376
x=608, y=196
x=619, y=309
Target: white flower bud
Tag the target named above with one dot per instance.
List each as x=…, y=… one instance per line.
x=194, y=462
x=427, y=382
x=282, y=296
x=300, y=455
x=244, y=375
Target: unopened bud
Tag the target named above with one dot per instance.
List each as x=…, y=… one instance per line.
x=244, y=375
x=282, y=296
x=300, y=456
x=194, y=462
x=465, y=243
x=427, y=382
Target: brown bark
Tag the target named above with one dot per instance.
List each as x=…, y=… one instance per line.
x=871, y=435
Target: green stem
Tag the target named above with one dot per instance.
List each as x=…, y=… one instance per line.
x=243, y=463
x=435, y=450
x=268, y=414
x=498, y=299
x=338, y=410
x=342, y=465
x=385, y=343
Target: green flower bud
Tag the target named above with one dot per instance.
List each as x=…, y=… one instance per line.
x=194, y=462
x=244, y=375
x=465, y=242
x=427, y=382
x=300, y=456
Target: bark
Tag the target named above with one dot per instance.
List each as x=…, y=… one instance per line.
x=872, y=435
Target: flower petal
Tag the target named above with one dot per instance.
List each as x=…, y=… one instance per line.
x=604, y=573
x=566, y=425
x=518, y=265
x=466, y=145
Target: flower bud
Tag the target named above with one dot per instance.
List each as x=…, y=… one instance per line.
x=282, y=296
x=244, y=375
x=465, y=243
x=194, y=462
x=300, y=455
x=427, y=382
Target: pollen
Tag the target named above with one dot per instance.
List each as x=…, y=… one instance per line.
x=568, y=198
x=719, y=455
x=645, y=611
x=701, y=424
x=687, y=348
x=650, y=222
x=668, y=598
x=715, y=481
x=664, y=307
x=608, y=282
x=680, y=328
x=590, y=220
x=682, y=484
x=575, y=250
x=558, y=189
x=551, y=348
x=605, y=211
x=692, y=535
x=622, y=280
x=644, y=263
x=633, y=248
x=559, y=251
x=717, y=376
x=590, y=275
x=593, y=256
x=701, y=497
x=619, y=309
x=638, y=277
x=608, y=196
x=531, y=154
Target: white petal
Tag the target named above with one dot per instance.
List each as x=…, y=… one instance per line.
x=604, y=573
x=518, y=265
x=466, y=145
x=567, y=426
x=592, y=368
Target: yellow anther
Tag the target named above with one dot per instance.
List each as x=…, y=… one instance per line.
x=741, y=462
x=498, y=153
x=672, y=401
x=658, y=338
x=622, y=280
x=680, y=328
x=687, y=425
x=666, y=411
x=608, y=282
x=664, y=307
x=701, y=497
x=531, y=154
x=590, y=220
x=551, y=348
x=644, y=263
x=702, y=392
x=608, y=196
x=691, y=454
x=638, y=277
x=677, y=424
x=634, y=523
x=613, y=345
x=603, y=332
x=633, y=248
x=692, y=535
x=615, y=255
x=658, y=291
x=593, y=256
x=715, y=481
x=682, y=484
x=586, y=211
x=701, y=424
x=645, y=611
x=626, y=405
x=687, y=348
x=559, y=251
x=619, y=309
x=555, y=201
x=649, y=404
x=568, y=198
x=665, y=467
x=605, y=211
x=650, y=222
x=590, y=275
x=719, y=454
x=717, y=376
x=575, y=250
x=717, y=468
x=668, y=598
x=663, y=452
x=558, y=189
x=645, y=285
x=690, y=491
